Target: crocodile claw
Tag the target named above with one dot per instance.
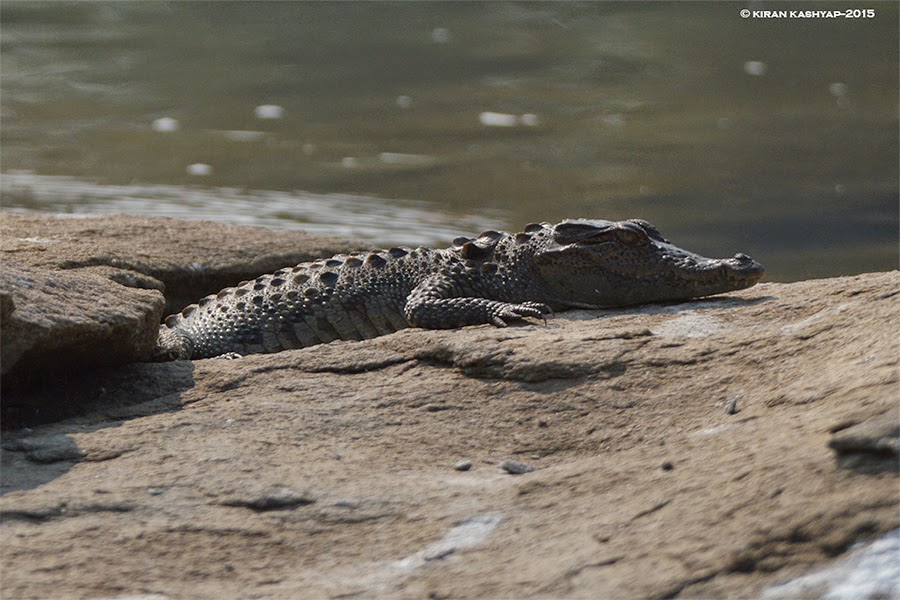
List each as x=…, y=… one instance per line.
x=515, y=312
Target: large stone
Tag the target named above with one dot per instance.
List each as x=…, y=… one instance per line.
x=190, y=258
x=678, y=451
x=75, y=292
x=60, y=321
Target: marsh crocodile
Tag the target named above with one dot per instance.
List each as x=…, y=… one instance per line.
x=492, y=279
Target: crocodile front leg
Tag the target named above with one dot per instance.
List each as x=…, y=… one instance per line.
x=435, y=304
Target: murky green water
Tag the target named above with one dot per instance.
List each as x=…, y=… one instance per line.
x=775, y=137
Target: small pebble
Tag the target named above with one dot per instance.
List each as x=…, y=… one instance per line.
x=514, y=467
x=463, y=465
x=731, y=405
x=667, y=466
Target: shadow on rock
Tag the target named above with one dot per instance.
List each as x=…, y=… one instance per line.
x=723, y=301
x=872, y=446
x=79, y=403
x=100, y=395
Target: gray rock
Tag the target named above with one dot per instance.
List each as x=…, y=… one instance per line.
x=515, y=467
x=731, y=405
x=50, y=449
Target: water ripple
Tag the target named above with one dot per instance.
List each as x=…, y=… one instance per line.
x=380, y=221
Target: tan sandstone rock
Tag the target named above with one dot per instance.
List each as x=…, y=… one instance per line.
x=60, y=319
x=189, y=258
x=678, y=451
x=87, y=291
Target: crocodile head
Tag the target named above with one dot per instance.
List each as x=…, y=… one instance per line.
x=591, y=263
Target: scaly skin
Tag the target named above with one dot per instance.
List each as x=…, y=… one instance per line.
x=496, y=278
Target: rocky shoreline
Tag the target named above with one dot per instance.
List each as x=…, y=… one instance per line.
x=85, y=292
x=705, y=449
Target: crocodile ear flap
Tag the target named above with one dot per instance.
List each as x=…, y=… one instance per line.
x=570, y=232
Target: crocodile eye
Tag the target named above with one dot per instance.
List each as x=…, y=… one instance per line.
x=602, y=238
x=629, y=237
x=652, y=231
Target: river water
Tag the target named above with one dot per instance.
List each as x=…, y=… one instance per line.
x=417, y=122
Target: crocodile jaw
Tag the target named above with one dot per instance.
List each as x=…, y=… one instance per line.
x=683, y=275
x=598, y=269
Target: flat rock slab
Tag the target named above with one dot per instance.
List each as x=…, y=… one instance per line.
x=190, y=258
x=58, y=319
x=678, y=451
x=86, y=292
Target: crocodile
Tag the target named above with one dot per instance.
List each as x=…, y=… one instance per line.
x=495, y=279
